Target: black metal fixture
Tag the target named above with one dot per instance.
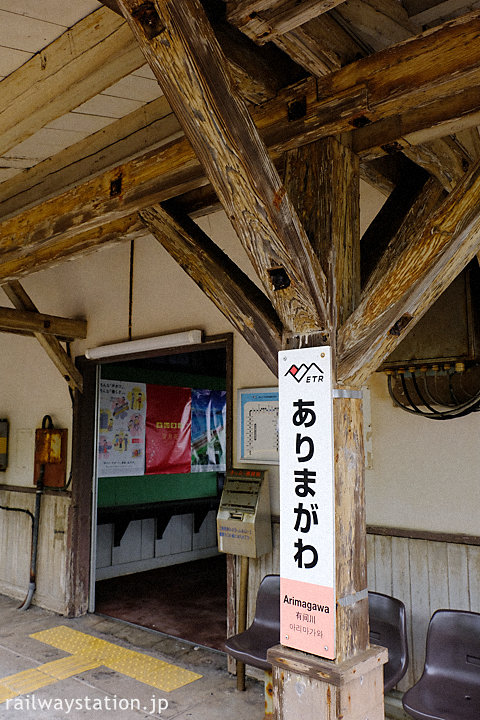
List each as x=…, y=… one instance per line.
x=436, y=392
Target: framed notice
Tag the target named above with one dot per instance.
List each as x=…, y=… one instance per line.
x=257, y=425
x=307, y=509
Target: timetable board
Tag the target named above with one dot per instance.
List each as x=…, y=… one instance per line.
x=258, y=425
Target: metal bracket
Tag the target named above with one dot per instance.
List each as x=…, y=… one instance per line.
x=349, y=394
x=352, y=599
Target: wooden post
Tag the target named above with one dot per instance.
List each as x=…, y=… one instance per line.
x=322, y=180
x=350, y=526
x=242, y=615
x=310, y=688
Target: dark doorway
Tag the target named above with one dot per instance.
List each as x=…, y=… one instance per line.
x=185, y=598
x=185, y=601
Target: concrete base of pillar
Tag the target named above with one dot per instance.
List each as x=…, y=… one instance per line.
x=306, y=687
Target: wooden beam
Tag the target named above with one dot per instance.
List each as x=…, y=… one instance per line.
x=401, y=131
x=426, y=16
x=101, y=210
x=444, y=159
x=377, y=24
x=376, y=179
x=145, y=129
x=98, y=51
x=415, y=270
x=258, y=72
x=62, y=361
x=320, y=46
x=432, y=75
x=35, y=322
x=350, y=527
x=265, y=21
x=173, y=169
x=228, y=287
x=322, y=180
x=470, y=141
x=420, y=212
x=83, y=61
x=317, y=42
x=19, y=263
x=184, y=55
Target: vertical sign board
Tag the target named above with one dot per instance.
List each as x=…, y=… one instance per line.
x=307, y=501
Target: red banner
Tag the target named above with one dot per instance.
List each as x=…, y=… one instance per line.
x=168, y=430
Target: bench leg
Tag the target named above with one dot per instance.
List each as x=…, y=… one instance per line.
x=240, y=676
x=268, y=695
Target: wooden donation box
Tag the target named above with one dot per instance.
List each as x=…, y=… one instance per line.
x=243, y=520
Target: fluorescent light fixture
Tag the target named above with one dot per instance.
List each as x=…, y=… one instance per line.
x=188, y=337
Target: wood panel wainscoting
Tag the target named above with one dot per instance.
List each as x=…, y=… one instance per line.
x=426, y=570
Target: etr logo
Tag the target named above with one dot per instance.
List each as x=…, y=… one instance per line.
x=310, y=373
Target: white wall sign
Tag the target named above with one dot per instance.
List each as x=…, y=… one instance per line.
x=258, y=425
x=307, y=501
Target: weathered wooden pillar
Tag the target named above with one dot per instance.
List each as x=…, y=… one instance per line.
x=322, y=182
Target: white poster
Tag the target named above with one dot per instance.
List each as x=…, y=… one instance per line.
x=307, y=501
x=121, y=434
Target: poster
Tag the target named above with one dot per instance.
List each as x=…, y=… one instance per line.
x=209, y=409
x=307, y=502
x=121, y=441
x=168, y=430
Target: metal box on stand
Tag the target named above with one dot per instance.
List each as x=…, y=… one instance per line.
x=243, y=521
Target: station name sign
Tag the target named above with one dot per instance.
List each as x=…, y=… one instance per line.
x=307, y=501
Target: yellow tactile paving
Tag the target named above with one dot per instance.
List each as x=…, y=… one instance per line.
x=86, y=653
x=157, y=673
x=6, y=694
x=71, y=641
x=69, y=666
x=27, y=681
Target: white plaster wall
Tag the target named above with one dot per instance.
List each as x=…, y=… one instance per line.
x=425, y=474
x=30, y=387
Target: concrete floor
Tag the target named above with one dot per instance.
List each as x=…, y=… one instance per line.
x=40, y=680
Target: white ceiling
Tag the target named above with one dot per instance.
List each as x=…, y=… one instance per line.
x=29, y=28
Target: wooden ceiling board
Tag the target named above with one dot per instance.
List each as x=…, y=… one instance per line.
x=52, y=10
x=80, y=122
x=20, y=163
x=135, y=87
x=145, y=72
x=23, y=33
x=6, y=173
x=108, y=106
x=11, y=59
x=44, y=143
x=437, y=13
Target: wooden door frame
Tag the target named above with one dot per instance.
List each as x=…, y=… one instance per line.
x=83, y=463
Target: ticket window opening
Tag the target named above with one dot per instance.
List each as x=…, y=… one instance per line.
x=244, y=521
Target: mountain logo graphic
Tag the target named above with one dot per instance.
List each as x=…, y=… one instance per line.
x=299, y=373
